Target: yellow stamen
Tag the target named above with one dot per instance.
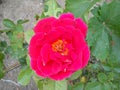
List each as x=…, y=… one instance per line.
x=59, y=46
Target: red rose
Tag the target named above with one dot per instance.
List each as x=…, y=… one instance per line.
x=58, y=47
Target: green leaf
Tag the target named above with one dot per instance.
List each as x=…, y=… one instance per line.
x=111, y=76
x=93, y=86
x=25, y=76
x=106, y=86
x=101, y=48
x=78, y=86
x=53, y=8
x=98, y=39
x=22, y=21
x=40, y=85
x=28, y=35
x=28, y=60
x=1, y=57
x=110, y=15
x=79, y=7
x=1, y=65
x=76, y=75
x=55, y=85
x=1, y=74
x=23, y=61
x=102, y=77
x=8, y=23
x=115, y=49
x=3, y=44
x=39, y=81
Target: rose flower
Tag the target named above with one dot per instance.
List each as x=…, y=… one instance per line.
x=58, y=47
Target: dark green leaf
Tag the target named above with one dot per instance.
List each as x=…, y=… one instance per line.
x=1, y=57
x=1, y=65
x=23, y=61
x=8, y=23
x=22, y=21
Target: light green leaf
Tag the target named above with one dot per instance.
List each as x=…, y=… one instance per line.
x=55, y=85
x=76, y=75
x=93, y=86
x=53, y=8
x=25, y=76
x=79, y=7
x=102, y=77
x=28, y=60
x=28, y=35
x=8, y=23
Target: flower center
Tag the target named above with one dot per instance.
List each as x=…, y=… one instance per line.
x=59, y=46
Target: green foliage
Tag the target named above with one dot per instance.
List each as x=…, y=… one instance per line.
x=25, y=76
x=8, y=23
x=75, y=75
x=28, y=35
x=78, y=86
x=102, y=77
x=55, y=85
x=79, y=7
x=15, y=45
x=1, y=65
x=22, y=21
x=104, y=40
x=93, y=86
x=51, y=8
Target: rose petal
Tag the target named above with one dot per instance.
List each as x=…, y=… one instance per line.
x=34, y=48
x=61, y=75
x=50, y=68
x=66, y=15
x=86, y=56
x=64, y=22
x=44, y=25
x=33, y=64
x=40, y=73
x=78, y=40
x=77, y=64
x=81, y=25
x=45, y=50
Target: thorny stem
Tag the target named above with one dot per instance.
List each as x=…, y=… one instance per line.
x=16, y=65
